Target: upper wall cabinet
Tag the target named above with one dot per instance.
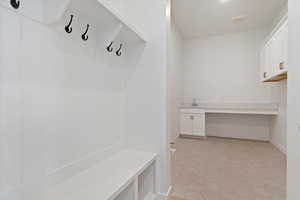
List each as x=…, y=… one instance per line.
x=101, y=13
x=274, y=54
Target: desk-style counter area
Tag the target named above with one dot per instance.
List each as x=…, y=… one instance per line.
x=255, y=109
x=193, y=118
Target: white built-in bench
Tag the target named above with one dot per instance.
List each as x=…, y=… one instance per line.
x=127, y=175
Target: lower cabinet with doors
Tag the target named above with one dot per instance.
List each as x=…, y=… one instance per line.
x=192, y=122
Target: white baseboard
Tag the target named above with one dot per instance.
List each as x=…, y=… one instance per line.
x=164, y=196
x=280, y=147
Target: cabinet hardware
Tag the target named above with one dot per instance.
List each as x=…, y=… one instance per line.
x=281, y=65
x=119, y=53
x=109, y=48
x=192, y=117
x=68, y=28
x=84, y=36
x=265, y=74
x=15, y=4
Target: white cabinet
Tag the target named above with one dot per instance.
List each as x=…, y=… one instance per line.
x=267, y=62
x=280, y=48
x=192, y=122
x=274, y=54
x=186, y=124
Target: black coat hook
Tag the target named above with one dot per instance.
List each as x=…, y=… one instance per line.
x=68, y=28
x=118, y=52
x=109, y=48
x=15, y=4
x=84, y=36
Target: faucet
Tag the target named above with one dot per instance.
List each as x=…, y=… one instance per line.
x=194, y=102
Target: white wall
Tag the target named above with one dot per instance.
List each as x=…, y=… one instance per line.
x=225, y=69
x=293, y=152
x=10, y=123
x=53, y=94
x=175, y=79
x=63, y=102
x=146, y=93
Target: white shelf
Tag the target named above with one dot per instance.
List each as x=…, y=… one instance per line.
x=100, y=13
x=128, y=26
x=282, y=75
x=105, y=180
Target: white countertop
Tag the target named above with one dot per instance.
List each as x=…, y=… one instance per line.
x=255, y=109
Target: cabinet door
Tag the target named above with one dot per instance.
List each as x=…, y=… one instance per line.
x=284, y=58
x=268, y=59
x=274, y=54
x=186, y=124
x=277, y=51
x=281, y=49
x=199, y=124
x=263, y=63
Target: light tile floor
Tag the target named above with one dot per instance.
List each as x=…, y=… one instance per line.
x=228, y=169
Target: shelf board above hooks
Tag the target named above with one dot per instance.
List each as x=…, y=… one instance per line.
x=127, y=26
x=105, y=15
x=101, y=11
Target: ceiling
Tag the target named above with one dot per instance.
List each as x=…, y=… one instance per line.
x=196, y=18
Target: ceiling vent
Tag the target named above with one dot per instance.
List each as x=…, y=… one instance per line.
x=239, y=19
